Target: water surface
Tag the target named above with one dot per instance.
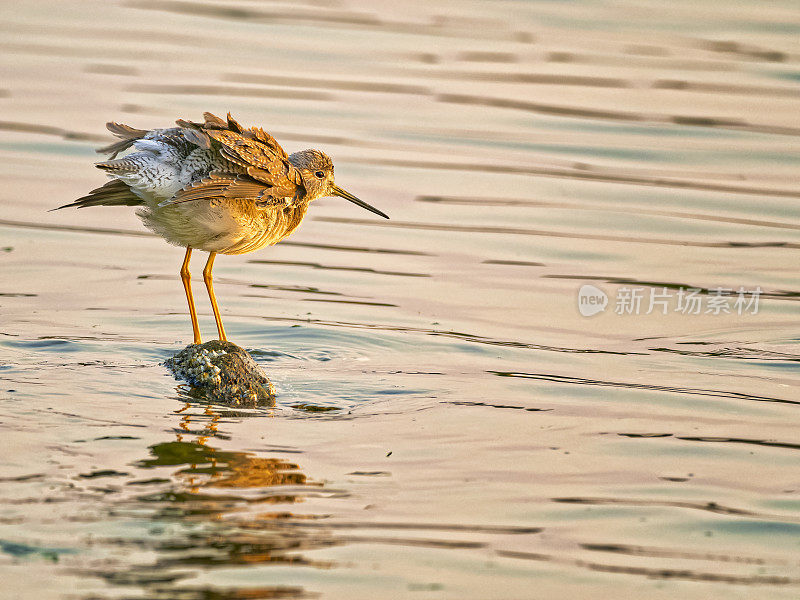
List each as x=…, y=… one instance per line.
x=448, y=424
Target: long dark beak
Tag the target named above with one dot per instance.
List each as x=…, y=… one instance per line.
x=337, y=191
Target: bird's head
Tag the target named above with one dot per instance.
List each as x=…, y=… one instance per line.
x=316, y=169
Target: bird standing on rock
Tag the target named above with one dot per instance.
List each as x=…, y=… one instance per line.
x=214, y=186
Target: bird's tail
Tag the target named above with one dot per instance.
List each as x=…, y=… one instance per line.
x=113, y=193
x=119, y=166
x=128, y=135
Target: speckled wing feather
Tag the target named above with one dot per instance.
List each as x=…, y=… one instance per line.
x=252, y=149
x=229, y=186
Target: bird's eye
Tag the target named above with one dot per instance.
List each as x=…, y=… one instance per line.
x=320, y=174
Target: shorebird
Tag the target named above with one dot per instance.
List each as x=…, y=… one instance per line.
x=213, y=186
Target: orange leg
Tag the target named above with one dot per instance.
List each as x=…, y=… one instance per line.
x=212, y=297
x=187, y=285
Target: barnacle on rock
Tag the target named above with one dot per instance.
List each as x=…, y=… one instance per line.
x=223, y=373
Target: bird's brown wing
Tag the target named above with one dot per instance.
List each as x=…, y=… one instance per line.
x=229, y=186
x=113, y=193
x=253, y=149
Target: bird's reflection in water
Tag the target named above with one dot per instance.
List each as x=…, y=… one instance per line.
x=204, y=466
x=220, y=509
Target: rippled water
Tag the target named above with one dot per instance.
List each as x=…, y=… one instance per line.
x=448, y=424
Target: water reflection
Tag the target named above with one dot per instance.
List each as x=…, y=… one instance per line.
x=219, y=509
x=209, y=510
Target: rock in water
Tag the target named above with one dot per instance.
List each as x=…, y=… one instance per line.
x=223, y=373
